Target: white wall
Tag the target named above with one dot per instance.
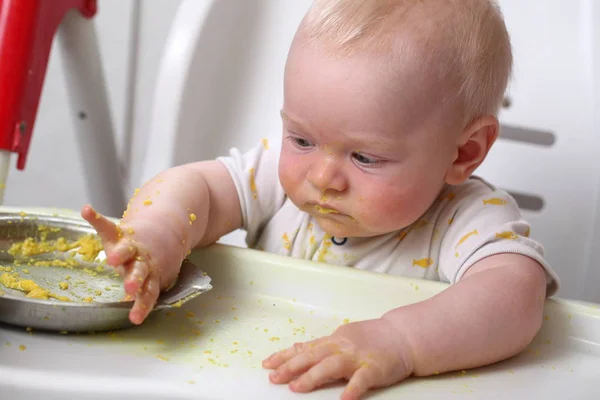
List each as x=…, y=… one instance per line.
x=553, y=90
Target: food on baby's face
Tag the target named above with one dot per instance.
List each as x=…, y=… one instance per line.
x=323, y=210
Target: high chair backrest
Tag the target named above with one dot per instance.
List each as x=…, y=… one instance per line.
x=220, y=85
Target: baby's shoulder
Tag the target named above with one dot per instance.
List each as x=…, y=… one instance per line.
x=476, y=201
x=472, y=187
x=474, y=194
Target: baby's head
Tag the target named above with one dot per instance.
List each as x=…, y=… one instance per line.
x=385, y=102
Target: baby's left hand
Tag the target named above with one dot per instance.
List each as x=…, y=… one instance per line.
x=369, y=354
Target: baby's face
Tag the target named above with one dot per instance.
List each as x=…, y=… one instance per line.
x=361, y=152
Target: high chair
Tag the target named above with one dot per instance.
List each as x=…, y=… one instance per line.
x=27, y=30
x=219, y=85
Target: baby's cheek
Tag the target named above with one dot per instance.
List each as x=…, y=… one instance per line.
x=387, y=210
x=290, y=175
x=284, y=177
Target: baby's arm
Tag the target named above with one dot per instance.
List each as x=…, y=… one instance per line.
x=491, y=314
x=204, y=189
x=184, y=207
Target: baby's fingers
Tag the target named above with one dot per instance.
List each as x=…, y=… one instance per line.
x=117, y=252
x=121, y=253
x=332, y=368
x=145, y=300
x=364, y=378
x=299, y=359
x=279, y=358
x=108, y=230
x=135, y=278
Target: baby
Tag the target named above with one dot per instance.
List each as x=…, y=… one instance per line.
x=389, y=107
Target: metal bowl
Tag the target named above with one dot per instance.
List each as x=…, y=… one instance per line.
x=95, y=292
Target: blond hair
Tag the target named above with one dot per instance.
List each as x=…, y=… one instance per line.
x=463, y=43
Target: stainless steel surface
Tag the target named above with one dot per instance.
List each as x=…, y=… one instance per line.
x=88, y=280
x=191, y=283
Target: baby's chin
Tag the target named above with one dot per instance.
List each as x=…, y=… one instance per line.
x=344, y=227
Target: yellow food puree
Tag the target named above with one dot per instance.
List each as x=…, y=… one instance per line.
x=32, y=289
x=88, y=247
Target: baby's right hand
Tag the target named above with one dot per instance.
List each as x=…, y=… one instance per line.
x=146, y=255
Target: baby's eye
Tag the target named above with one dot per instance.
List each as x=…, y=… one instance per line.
x=301, y=142
x=364, y=160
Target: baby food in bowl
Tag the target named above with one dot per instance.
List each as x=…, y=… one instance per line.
x=53, y=276
x=54, y=259
x=50, y=267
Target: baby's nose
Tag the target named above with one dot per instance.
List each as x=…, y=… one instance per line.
x=328, y=175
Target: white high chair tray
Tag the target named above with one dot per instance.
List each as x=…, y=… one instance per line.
x=212, y=347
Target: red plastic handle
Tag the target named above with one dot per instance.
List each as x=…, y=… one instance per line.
x=27, y=30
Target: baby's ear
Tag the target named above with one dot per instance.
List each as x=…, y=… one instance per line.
x=472, y=148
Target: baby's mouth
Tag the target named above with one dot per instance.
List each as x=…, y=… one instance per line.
x=325, y=210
